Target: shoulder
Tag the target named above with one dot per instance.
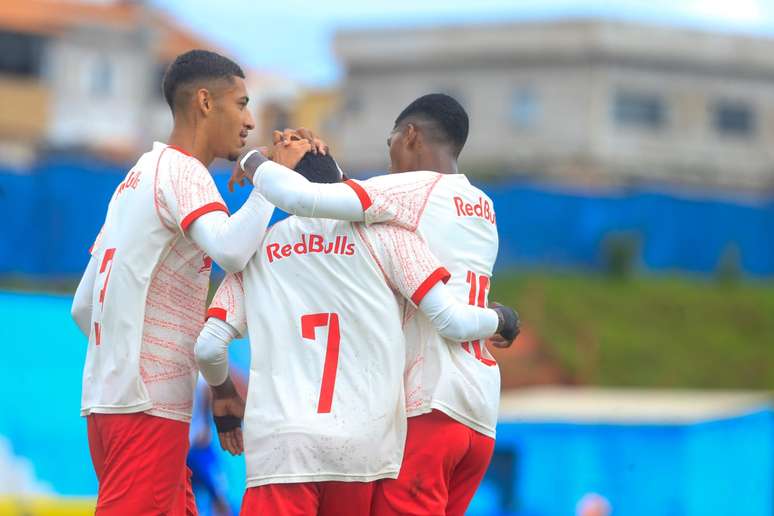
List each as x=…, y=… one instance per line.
x=296, y=224
x=179, y=164
x=405, y=179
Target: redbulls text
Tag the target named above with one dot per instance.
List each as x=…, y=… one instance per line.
x=482, y=209
x=131, y=181
x=311, y=244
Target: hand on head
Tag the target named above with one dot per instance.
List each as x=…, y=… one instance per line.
x=287, y=149
x=290, y=135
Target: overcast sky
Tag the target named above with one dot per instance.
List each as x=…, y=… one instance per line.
x=293, y=37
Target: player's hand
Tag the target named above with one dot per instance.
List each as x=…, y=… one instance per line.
x=228, y=409
x=302, y=133
x=239, y=176
x=289, y=152
x=508, y=328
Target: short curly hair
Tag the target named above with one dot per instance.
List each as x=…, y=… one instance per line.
x=193, y=66
x=447, y=118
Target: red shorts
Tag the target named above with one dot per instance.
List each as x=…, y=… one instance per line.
x=140, y=465
x=443, y=465
x=309, y=499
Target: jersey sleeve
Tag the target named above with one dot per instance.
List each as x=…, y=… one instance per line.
x=398, y=199
x=228, y=305
x=404, y=258
x=185, y=190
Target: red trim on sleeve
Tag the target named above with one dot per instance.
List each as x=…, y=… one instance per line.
x=217, y=313
x=365, y=200
x=440, y=274
x=198, y=212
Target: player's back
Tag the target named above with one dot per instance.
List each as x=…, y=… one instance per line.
x=325, y=395
x=460, y=379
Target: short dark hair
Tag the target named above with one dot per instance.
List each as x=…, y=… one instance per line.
x=196, y=65
x=318, y=168
x=448, y=119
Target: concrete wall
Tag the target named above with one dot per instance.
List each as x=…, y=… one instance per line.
x=567, y=75
x=102, y=85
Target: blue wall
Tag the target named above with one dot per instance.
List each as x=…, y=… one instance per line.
x=43, y=354
x=713, y=468
x=52, y=216
x=721, y=468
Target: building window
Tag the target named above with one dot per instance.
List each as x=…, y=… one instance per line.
x=524, y=108
x=733, y=118
x=642, y=110
x=21, y=54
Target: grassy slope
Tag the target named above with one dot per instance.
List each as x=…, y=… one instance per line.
x=651, y=332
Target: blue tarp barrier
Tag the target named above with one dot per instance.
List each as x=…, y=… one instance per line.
x=52, y=214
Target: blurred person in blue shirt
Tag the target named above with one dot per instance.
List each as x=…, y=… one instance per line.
x=207, y=475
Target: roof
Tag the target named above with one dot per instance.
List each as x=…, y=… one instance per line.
x=54, y=17
x=560, y=41
x=626, y=406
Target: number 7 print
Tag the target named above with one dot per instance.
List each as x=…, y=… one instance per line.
x=107, y=259
x=309, y=323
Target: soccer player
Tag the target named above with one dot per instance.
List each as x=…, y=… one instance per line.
x=141, y=300
x=452, y=390
x=325, y=412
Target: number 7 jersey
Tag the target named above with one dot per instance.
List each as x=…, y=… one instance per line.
x=323, y=302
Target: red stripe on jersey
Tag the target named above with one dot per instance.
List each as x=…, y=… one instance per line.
x=365, y=199
x=198, y=212
x=217, y=313
x=440, y=274
x=178, y=149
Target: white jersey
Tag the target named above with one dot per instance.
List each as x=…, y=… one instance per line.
x=325, y=394
x=150, y=292
x=458, y=222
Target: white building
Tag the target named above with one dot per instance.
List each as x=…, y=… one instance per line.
x=580, y=101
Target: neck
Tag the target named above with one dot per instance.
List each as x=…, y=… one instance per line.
x=437, y=160
x=187, y=138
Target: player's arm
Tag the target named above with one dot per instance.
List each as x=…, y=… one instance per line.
x=211, y=350
x=81, y=309
x=415, y=273
x=187, y=200
x=231, y=241
x=293, y=193
x=226, y=321
x=460, y=322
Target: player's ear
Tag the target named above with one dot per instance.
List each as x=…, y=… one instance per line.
x=411, y=137
x=204, y=101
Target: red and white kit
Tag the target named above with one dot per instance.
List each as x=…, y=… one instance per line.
x=457, y=220
x=452, y=389
x=142, y=303
x=149, y=271
x=325, y=399
x=458, y=381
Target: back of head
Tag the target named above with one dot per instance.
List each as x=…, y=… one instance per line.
x=318, y=168
x=445, y=119
x=194, y=69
